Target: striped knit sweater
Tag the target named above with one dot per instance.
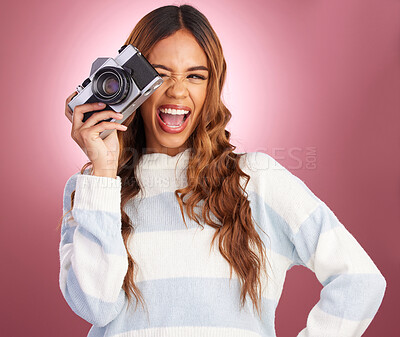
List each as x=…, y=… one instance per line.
x=185, y=282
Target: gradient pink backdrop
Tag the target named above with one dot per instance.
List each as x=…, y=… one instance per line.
x=315, y=84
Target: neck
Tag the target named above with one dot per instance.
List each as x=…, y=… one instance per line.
x=170, y=151
x=162, y=160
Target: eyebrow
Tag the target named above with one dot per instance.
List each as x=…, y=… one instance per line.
x=188, y=69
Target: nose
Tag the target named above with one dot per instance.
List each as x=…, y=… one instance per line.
x=177, y=89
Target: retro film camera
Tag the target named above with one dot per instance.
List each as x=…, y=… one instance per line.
x=123, y=84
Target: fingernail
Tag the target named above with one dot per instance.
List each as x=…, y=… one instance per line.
x=101, y=104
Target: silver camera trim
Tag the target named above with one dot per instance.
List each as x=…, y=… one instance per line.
x=84, y=93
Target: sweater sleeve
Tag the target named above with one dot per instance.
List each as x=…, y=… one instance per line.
x=353, y=287
x=311, y=235
x=93, y=258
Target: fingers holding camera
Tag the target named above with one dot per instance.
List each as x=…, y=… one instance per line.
x=95, y=130
x=91, y=125
x=80, y=110
x=103, y=153
x=100, y=116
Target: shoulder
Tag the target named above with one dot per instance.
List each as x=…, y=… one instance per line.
x=278, y=188
x=256, y=161
x=263, y=168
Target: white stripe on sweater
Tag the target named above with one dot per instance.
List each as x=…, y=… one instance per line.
x=319, y=323
x=191, y=331
x=339, y=253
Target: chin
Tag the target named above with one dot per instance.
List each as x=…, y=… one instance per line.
x=178, y=144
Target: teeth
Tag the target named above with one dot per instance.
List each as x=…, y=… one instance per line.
x=174, y=111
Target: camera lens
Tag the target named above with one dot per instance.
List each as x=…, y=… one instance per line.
x=111, y=85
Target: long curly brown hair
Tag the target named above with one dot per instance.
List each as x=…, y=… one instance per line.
x=213, y=172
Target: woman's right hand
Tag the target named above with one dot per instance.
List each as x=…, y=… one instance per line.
x=102, y=153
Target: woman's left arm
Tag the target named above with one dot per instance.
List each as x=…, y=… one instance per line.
x=353, y=287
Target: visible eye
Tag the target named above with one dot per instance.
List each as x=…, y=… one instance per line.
x=197, y=76
x=161, y=75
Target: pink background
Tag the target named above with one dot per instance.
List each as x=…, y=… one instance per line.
x=315, y=84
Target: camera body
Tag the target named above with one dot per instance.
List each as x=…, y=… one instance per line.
x=123, y=84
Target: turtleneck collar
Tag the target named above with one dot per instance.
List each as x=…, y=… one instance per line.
x=158, y=160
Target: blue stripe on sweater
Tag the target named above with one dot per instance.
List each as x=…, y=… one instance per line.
x=276, y=228
x=101, y=224
x=68, y=189
x=67, y=233
x=110, y=244
x=273, y=224
x=146, y=214
x=278, y=232
x=344, y=295
x=306, y=239
x=91, y=309
x=213, y=303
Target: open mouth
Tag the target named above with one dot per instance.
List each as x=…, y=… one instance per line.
x=175, y=119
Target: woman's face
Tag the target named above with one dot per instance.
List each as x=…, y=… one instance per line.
x=184, y=89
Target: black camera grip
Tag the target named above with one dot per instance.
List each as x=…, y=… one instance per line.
x=87, y=115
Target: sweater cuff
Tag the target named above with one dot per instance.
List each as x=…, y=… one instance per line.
x=98, y=193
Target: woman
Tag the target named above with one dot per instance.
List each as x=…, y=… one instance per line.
x=214, y=266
